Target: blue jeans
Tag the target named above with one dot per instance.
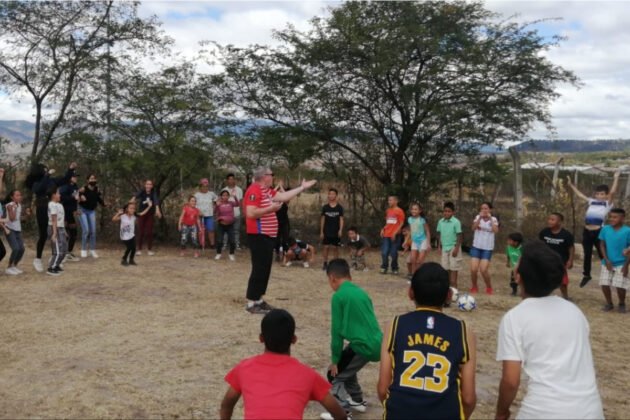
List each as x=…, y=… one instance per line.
x=389, y=247
x=88, y=229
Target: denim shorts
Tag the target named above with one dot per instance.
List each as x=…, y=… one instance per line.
x=481, y=254
x=208, y=223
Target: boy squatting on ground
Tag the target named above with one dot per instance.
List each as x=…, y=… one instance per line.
x=352, y=320
x=428, y=360
x=449, y=230
x=299, y=251
x=548, y=338
x=614, y=238
x=598, y=207
x=275, y=385
x=357, y=245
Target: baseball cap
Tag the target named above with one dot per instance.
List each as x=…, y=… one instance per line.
x=204, y=181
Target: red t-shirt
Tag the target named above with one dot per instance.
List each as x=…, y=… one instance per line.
x=259, y=196
x=394, y=218
x=191, y=215
x=276, y=386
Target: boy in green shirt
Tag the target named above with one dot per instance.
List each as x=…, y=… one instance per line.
x=449, y=230
x=513, y=254
x=353, y=320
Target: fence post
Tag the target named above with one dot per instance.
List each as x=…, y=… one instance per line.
x=554, y=180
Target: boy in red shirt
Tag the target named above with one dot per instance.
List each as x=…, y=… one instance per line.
x=394, y=219
x=189, y=225
x=275, y=385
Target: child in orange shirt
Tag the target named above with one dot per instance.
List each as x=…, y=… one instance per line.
x=394, y=219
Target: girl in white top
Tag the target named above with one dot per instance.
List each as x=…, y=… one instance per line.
x=485, y=227
x=127, y=218
x=13, y=231
x=548, y=338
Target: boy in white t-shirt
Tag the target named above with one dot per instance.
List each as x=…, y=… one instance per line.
x=56, y=233
x=127, y=218
x=596, y=213
x=556, y=356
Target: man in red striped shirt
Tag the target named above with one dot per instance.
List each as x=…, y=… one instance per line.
x=261, y=203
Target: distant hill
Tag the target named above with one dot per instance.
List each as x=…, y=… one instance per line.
x=17, y=132
x=574, y=146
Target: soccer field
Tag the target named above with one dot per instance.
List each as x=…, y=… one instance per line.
x=155, y=340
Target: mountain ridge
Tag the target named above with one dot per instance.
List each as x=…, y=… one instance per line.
x=21, y=132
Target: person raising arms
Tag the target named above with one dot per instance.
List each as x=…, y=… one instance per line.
x=261, y=203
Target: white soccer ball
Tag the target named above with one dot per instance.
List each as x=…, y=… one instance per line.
x=466, y=303
x=454, y=294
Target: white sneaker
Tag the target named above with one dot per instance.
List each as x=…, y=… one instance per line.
x=93, y=254
x=138, y=252
x=361, y=407
x=17, y=270
x=150, y=253
x=232, y=258
x=288, y=264
x=83, y=253
x=306, y=265
x=11, y=271
x=218, y=257
x=37, y=263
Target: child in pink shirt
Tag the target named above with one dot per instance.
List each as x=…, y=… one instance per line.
x=224, y=222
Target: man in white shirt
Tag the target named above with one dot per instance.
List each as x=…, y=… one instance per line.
x=206, y=200
x=235, y=193
x=547, y=337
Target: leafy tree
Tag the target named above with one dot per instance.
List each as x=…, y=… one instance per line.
x=406, y=88
x=51, y=48
x=160, y=127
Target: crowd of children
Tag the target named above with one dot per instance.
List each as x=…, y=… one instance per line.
x=427, y=358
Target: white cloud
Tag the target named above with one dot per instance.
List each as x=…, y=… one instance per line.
x=596, y=49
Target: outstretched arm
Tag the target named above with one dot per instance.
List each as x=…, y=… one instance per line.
x=288, y=195
x=117, y=216
x=575, y=190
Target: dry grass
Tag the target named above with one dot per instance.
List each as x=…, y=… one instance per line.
x=106, y=341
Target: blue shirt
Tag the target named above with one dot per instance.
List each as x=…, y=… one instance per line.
x=427, y=348
x=417, y=229
x=616, y=241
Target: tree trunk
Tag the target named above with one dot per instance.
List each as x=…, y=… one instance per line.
x=38, y=129
x=518, y=187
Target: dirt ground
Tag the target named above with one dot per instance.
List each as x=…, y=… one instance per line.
x=106, y=341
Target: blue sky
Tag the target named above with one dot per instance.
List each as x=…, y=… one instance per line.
x=597, y=50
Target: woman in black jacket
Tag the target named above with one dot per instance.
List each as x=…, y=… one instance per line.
x=40, y=181
x=89, y=198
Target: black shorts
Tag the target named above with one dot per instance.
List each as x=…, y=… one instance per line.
x=332, y=240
